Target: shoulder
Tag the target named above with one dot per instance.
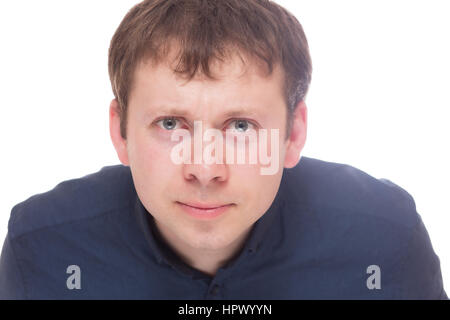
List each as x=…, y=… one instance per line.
x=107, y=190
x=349, y=221
x=341, y=189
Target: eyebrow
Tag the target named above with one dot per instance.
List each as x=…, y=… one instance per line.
x=239, y=112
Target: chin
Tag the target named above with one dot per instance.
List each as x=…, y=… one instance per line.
x=210, y=241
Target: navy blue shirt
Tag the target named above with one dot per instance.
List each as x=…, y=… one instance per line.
x=332, y=232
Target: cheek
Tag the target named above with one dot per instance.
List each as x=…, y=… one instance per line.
x=150, y=151
x=150, y=161
x=255, y=188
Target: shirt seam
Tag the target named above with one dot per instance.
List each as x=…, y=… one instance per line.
x=351, y=212
x=102, y=214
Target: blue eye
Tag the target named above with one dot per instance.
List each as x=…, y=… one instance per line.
x=168, y=123
x=241, y=125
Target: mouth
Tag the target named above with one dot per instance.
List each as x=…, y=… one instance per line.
x=204, y=211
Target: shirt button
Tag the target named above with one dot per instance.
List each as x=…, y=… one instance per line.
x=214, y=290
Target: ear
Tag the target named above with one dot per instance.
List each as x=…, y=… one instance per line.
x=297, y=138
x=120, y=144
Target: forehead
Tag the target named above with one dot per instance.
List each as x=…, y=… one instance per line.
x=238, y=81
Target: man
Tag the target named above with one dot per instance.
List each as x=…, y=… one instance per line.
x=202, y=88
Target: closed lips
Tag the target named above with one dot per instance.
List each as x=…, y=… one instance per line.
x=203, y=206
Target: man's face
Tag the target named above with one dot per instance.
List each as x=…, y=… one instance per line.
x=161, y=102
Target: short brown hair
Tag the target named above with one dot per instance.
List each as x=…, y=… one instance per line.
x=205, y=30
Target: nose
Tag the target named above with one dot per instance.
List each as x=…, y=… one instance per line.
x=205, y=174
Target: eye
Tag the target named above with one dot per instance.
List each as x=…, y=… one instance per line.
x=241, y=125
x=168, y=123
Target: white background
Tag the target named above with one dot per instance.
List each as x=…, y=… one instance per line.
x=379, y=99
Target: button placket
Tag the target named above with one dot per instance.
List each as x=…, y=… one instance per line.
x=213, y=291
